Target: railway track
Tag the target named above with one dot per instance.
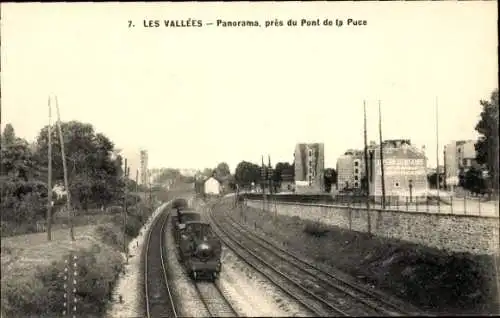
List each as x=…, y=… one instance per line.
x=214, y=300
x=379, y=302
x=158, y=297
x=320, y=291
x=289, y=286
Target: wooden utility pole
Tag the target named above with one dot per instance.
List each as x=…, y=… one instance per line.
x=125, y=175
x=367, y=176
x=65, y=170
x=150, y=190
x=381, y=153
x=49, y=178
x=437, y=152
x=263, y=183
x=136, y=184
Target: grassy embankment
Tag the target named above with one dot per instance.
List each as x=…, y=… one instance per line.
x=434, y=280
x=33, y=268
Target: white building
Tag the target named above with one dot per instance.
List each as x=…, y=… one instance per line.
x=350, y=169
x=60, y=191
x=212, y=186
x=458, y=155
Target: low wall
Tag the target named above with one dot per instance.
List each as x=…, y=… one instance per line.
x=457, y=233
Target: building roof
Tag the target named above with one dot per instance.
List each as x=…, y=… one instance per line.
x=409, y=152
x=216, y=179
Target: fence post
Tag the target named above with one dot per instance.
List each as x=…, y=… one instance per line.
x=397, y=203
x=416, y=203
x=406, y=204
x=451, y=200
x=465, y=203
x=479, y=205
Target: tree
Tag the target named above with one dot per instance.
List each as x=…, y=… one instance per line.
x=8, y=135
x=167, y=175
x=487, y=144
x=222, y=170
x=474, y=181
x=16, y=159
x=431, y=179
x=330, y=178
x=93, y=172
x=246, y=173
x=207, y=172
x=281, y=169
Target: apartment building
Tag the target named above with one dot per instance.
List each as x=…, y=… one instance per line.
x=405, y=169
x=458, y=156
x=309, y=167
x=144, y=167
x=350, y=169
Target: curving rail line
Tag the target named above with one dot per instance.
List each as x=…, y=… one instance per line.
x=337, y=296
x=158, y=296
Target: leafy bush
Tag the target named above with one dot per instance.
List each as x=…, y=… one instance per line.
x=133, y=226
x=315, y=228
x=115, y=209
x=97, y=270
x=133, y=199
x=110, y=235
x=23, y=201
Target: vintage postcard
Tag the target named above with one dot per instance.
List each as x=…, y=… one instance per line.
x=260, y=159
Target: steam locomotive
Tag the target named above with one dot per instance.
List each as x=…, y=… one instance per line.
x=198, y=248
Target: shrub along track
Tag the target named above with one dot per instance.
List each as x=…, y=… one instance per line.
x=321, y=292
x=158, y=296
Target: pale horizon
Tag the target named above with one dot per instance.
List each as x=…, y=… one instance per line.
x=195, y=97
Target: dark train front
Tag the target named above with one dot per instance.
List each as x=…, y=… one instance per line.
x=199, y=249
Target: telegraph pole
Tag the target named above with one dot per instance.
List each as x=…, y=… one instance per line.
x=437, y=152
x=136, y=185
x=381, y=153
x=366, y=160
x=49, y=180
x=68, y=194
x=125, y=209
x=263, y=182
x=150, y=191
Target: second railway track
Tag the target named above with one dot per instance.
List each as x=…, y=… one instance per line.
x=322, y=292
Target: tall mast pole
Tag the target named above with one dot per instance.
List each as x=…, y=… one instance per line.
x=65, y=170
x=437, y=151
x=381, y=153
x=49, y=178
x=367, y=185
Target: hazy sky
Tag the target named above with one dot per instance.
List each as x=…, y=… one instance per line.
x=198, y=96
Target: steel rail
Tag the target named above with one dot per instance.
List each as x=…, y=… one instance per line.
x=238, y=249
x=163, y=217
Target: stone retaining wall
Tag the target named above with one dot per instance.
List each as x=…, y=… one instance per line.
x=456, y=233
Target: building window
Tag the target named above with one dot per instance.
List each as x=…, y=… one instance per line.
x=356, y=171
x=356, y=178
x=310, y=153
x=356, y=163
x=396, y=184
x=355, y=184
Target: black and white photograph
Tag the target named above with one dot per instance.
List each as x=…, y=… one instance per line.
x=249, y=159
